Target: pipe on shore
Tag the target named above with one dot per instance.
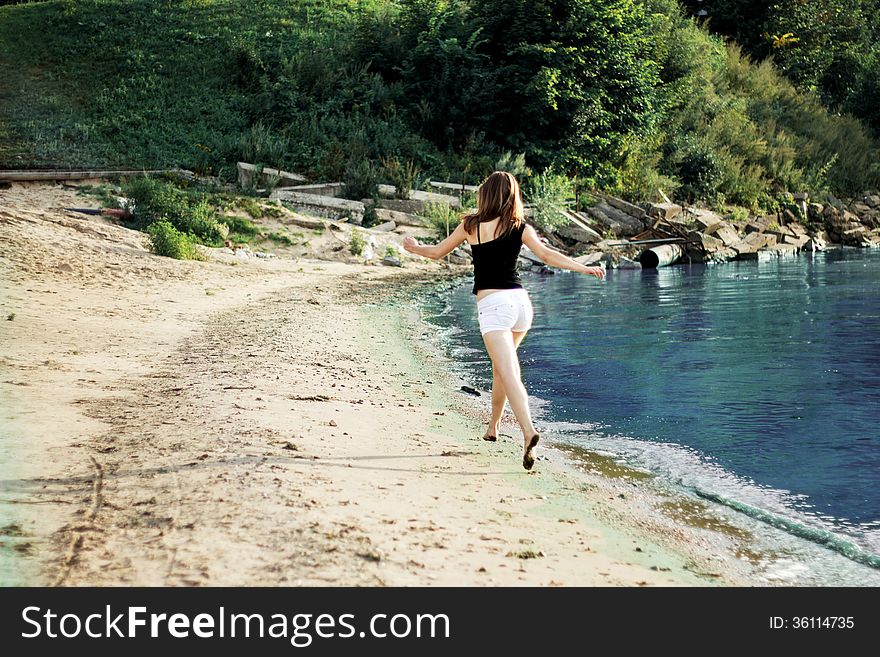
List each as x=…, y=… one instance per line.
x=660, y=256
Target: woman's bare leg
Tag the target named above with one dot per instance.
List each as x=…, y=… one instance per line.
x=505, y=364
x=499, y=393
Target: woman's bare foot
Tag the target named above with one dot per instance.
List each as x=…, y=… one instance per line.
x=529, y=456
x=491, y=434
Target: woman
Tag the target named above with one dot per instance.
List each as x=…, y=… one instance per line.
x=496, y=231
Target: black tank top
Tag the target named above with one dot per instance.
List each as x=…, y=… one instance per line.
x=495, y=261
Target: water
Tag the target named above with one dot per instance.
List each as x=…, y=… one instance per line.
x=755, y=385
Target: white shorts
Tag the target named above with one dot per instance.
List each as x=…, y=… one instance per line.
x=506, y=310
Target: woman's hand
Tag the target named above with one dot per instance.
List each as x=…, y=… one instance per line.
x=410, y=243
x=598, y=272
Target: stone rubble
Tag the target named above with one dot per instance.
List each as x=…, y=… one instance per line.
x=600, y=234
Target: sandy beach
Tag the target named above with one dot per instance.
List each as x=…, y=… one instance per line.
x=280, y=422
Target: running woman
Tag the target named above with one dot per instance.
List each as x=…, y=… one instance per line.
x=496, y=232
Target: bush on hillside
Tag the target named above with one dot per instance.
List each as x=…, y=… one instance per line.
x=361, y=180
x=548, y=193
x=403, y=175
x=628, y=95
x=166, y=240
x=192, y=214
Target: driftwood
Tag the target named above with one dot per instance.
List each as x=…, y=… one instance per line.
x=577, y=229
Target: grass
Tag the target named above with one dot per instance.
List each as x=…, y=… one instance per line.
x=240, y=229
x=280, y=238
x=106, y=194
x=139, y=83
x=200, y=84
x=256, y=209
x=250, y=206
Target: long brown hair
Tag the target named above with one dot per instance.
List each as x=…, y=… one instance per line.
x=498, y=196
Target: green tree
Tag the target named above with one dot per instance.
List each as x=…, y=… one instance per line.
x=831, y=47
x=742, y=20
x=817, y=43
x=574, y=78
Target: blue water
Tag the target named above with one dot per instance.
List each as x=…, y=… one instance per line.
x=754, y=384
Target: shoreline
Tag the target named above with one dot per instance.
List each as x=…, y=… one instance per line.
x=616, y=500
x=224, y=423
x=774, y=547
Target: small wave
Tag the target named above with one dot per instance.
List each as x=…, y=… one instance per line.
x=691, y=471
x=821, y=536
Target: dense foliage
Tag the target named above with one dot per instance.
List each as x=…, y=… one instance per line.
x=166, y=240
x=626, y=95
x=829, y=46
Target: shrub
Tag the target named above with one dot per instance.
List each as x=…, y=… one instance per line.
x=356, y=243
x=402, y=175
x=260, y=145
x=361, y=180
x=190, y=213
x=150, y=199
x=548, y=195
x=200, y=219
x=738, y=213
x=166, y=240
x=443, y=218
x=513, y=164
x=640, y=178
x=371, y=217
x=699, y=169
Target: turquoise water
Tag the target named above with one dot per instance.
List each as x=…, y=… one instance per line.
x=754, y=385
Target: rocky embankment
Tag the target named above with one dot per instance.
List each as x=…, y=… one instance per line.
x=612, y=231
x=607, y=231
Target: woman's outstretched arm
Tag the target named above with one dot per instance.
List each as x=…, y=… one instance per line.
x=555, y=258
x=436, y=251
